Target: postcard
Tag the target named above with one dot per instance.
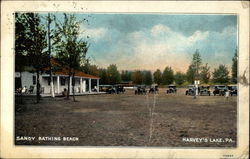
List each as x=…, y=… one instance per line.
x=125, y=79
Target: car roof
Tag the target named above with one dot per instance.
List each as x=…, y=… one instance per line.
x=220, y=85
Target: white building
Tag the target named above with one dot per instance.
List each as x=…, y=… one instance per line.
x=84, y=83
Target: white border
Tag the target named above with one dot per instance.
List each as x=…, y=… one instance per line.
x=9, y=150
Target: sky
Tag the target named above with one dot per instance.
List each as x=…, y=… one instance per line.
x=154, y=41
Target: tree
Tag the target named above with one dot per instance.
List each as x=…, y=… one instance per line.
x=220, y=75
x=103, y=76
x=193, y=72
x=20, y=45
x=49, y=51
x=71, y=49
x=205, y=73
x=137, y=77
x=167, y=76
x=35, y=45
x=157, y=77
x=190, y=74
x=147, y=78
x=113, y=74
x=90, y=68
x=126, y=75
x=234, y=67
x=179, y=78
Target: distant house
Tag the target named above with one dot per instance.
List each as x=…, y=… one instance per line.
x=83, y=83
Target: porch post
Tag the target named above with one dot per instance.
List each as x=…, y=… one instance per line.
x=80, y=84
x=70, y=85
x=84, y=85
x=97, y=83
x=58, y=84
x=89, y=84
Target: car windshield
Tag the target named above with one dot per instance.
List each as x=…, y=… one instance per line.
x=221, y=87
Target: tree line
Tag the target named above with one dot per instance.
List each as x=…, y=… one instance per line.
x=196, y=71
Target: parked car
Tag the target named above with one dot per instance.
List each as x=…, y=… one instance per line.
x=233, y=90
x=220, y=90
x=119, y=89
x=153, y=89
x=204, y=90
x=190, y=90
x=140, y=89
x=107, y=88
x=171, y=89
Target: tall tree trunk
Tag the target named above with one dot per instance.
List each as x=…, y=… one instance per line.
x=50, y=67
x=68, y=84
x=37, y=87
x=21, y=93
x=52, y=86
x=73, y=85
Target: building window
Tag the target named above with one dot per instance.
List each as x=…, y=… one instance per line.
x=62, y=81
x=34, y=80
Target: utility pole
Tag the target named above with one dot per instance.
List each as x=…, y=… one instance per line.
x=50, y=69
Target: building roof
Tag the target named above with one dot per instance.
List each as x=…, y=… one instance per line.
x=64, y=71
x=77, y=73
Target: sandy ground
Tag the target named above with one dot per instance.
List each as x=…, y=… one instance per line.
x=169, y=120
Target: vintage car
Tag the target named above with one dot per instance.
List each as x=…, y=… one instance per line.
x=220, y=90
x=107, y=88
x=153, y=89
x=119, y=88
x=233, y=90
x=204, y=90
x=140, y=89
x=171, y=89
x=190, y=90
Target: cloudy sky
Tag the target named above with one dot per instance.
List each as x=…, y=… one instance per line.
x=152, y=41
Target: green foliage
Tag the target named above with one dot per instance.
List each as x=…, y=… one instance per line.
x=137, y=77
x=205, y=73
x=193, y=72
x=71, y=50
x=103, y=76
x=90, y=68
x=126, y=75
x=21, y=28
x=147, y=78
x=157, y=77
x=30, y=44
x=190, y=74
x=113, y=74
x=220, y=75
x=36, y=42
x=234, y=67
x=179, y=78
x=167, y=76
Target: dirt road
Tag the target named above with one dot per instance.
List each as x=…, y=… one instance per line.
x=169, y=120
